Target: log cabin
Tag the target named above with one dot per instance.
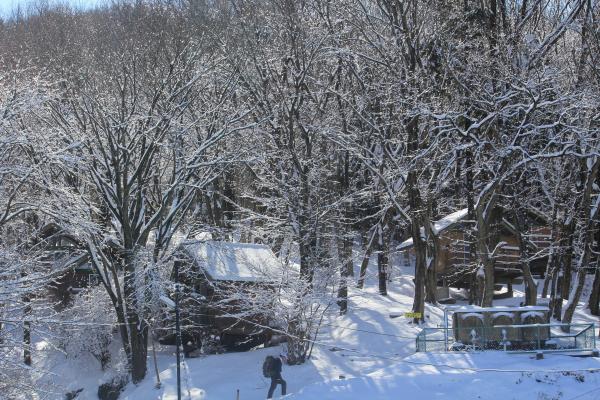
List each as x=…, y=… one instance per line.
x=225, y=285
x=455, y=263
x=71, y=266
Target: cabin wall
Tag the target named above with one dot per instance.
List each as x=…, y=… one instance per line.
x=212, y=313
x=63, y=289
x=453, y=254
x=221, y=309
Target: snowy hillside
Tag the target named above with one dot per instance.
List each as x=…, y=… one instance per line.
x=365, y=354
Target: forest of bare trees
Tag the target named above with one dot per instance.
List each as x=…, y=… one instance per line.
x=331, y=130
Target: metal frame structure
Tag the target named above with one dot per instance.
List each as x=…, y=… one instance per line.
x=545, y=338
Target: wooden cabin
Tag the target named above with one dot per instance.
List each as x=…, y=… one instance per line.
x=74, y=272
x=225, y=283
x=454, y=262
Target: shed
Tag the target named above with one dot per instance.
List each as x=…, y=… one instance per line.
x=68, y=262
x=226, y=283
x=454, y=259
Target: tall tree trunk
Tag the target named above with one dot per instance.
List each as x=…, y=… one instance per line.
x=345, y=253
x=277, y=244
x=365, y=260
x=588, y=215
x=432, y=259
x=416, y=210
x=594, y=300
x=27, y=331
x=485, y=273
x=563, y=283
x=567, y=275
x=137, y=329
x=382, y=260
x=306, y=234
x=552, y=252
x=469, y=234
x=554, y=285
x=418, y=246
x=530, y=287
x=139, y=349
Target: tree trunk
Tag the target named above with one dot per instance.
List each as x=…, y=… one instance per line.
x=530, y=286
x=432, y=248
x=306, y=256
x=27, y=331
x=345, y=251
x=349, y=255
x=419, y=300
x=431, y=282
x=277, y=244
x=485, y=273
x=567, y=265
x=382, y=260
x=418, y=245
x=416, y=209
x=594, y=301
x=139, y=350
x=365, y=260
x=552, y=253
x=588, y=214
x=555, y=299
x=469, y=234
x=564, y=274
x=575, y=295
x=137, y=329
x=306, y=234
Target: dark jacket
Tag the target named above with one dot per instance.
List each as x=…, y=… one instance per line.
x=277, y=366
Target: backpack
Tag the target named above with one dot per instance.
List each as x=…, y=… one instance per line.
x=269, y=367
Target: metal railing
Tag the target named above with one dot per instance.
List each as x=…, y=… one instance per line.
x=510, y=338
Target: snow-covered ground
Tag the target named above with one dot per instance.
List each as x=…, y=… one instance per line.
x=365, y=354
x=467, y=376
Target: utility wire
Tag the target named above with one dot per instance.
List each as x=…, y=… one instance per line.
x=585, y=393
x=373, y=355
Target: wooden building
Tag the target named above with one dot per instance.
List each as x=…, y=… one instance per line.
x=455, y=263
x=225, y=285
x=71, y=266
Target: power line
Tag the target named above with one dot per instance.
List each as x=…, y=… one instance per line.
x=585, y=393
x=366, y=354
x=371, y=332
x=421, y=362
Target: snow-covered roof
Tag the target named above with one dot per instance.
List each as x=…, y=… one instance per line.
x=438, y=226
x=227, y=261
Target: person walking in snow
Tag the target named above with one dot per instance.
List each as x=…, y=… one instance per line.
x=272, y=369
